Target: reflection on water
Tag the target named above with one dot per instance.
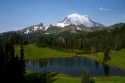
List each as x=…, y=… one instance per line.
x=106, y=70
x=72, y=66
x=96, y=64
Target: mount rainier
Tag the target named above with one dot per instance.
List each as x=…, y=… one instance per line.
x=78, y=19
x=70, y=22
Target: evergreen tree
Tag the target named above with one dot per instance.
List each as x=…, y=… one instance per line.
x=85, y=76
x=22, y=63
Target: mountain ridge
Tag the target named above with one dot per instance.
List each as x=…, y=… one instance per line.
x=73, y=22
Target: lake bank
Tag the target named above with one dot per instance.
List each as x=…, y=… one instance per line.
x=117, y=58
x=31, y=51
x=111, y=79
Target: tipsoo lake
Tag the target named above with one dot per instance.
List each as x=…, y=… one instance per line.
x=73, y=66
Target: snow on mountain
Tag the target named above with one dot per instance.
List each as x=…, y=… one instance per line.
x=33, y=28
x=79, y=28
x=47, y=26
x=77, y=19
x=71, y=22
x=62, y=24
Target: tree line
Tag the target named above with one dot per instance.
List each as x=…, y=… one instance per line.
x=95, y=41
x=91, y=42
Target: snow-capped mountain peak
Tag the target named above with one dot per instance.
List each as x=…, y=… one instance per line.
x=77, y=19
x=33, y=28
x=71, y=22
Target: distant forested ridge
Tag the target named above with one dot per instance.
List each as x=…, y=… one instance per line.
x=104, y=40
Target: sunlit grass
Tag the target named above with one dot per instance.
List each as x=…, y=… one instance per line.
x=31, y=51
x=117, y=58
x=63, y=78
x=111, y=79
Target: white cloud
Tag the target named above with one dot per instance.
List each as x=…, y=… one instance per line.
x=103, y=9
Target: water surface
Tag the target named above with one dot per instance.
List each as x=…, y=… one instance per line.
x=73, y=66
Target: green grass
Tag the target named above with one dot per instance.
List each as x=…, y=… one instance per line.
x=111, y=79
x=117, y=58
x=31, y=51
x=62, y=78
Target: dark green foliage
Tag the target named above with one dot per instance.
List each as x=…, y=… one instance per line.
x=85, y=76
x=11, y=65
x=13, y=68
x=46, y=77
x=106, y=70
x=90, y=42
x=22, y=63
x=14, y=37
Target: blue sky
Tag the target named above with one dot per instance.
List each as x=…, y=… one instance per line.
x=18, y=14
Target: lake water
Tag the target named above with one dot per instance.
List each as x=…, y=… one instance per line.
x=73, y=66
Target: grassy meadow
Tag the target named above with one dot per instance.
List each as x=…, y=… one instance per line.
x=31, y=51
x=110, y=79
x=117, y=58
x=62, y=78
